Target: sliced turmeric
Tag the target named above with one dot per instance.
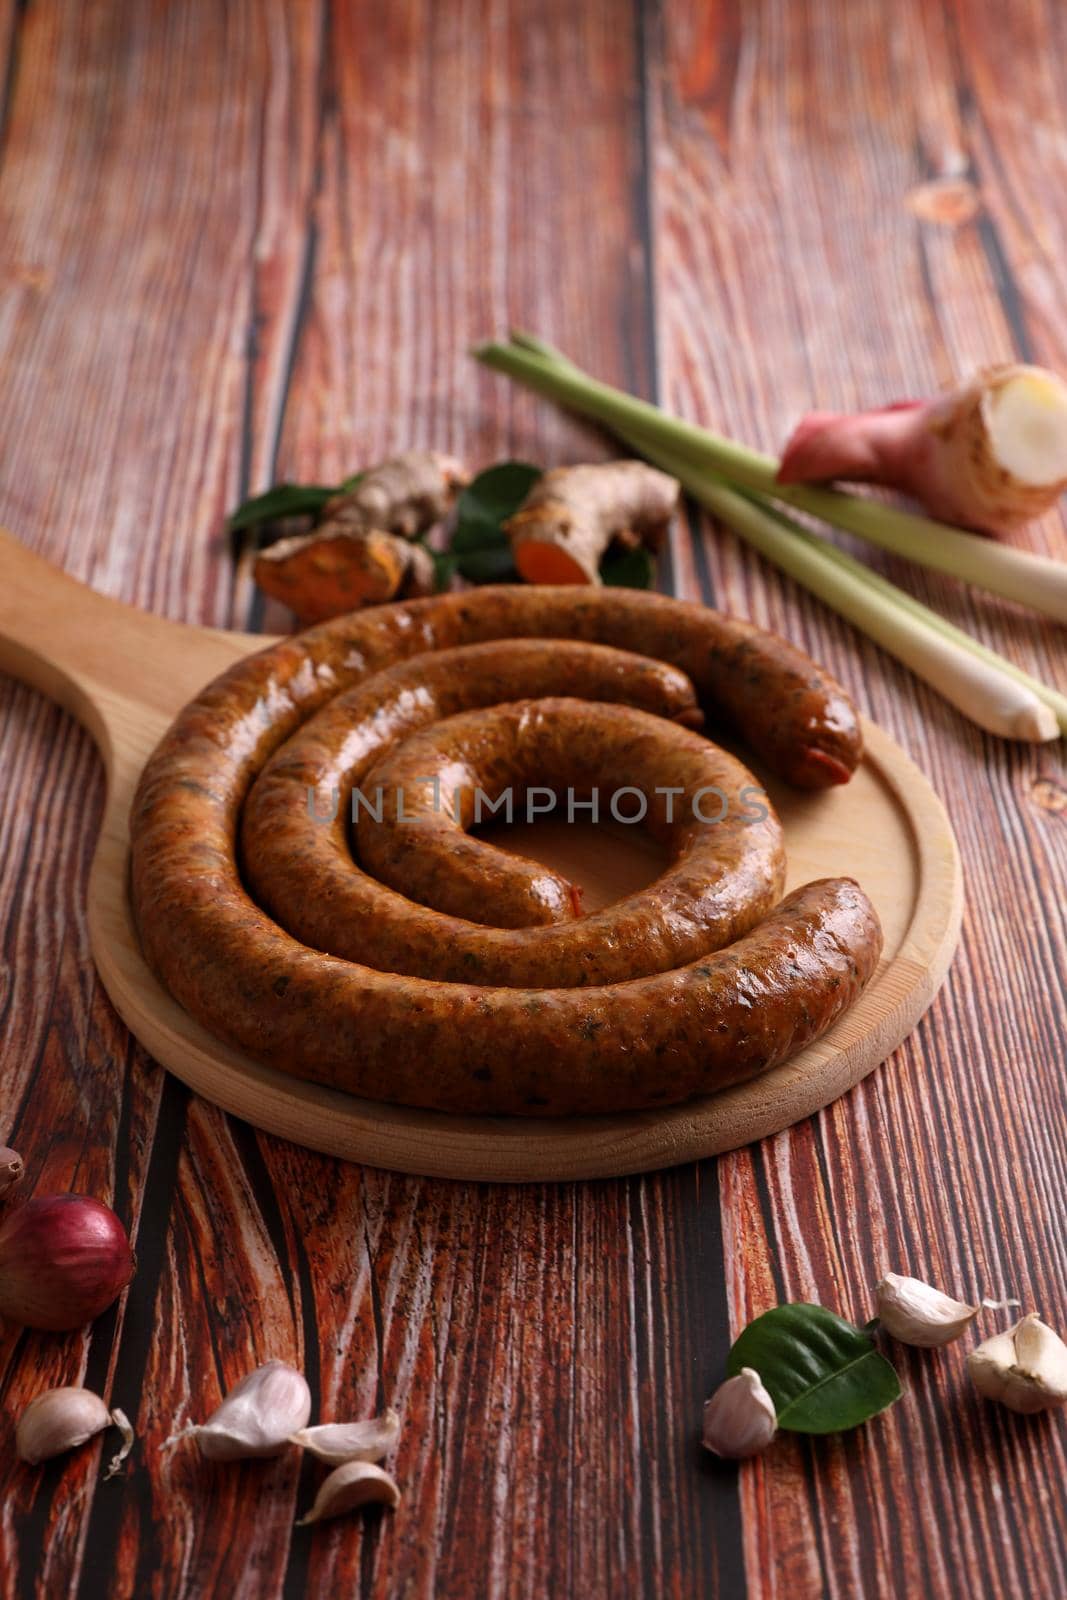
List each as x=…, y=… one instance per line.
x=572, y=514
x=323, y=574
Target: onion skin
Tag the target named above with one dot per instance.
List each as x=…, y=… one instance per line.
x=64, y=1259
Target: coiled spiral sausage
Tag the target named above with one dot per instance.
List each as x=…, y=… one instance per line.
x=633, y=1008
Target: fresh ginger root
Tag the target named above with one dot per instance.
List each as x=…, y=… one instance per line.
x=572, y=514
x=990, y=455
x=360, y=554
x=405, y=495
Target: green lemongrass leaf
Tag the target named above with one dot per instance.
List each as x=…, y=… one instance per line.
x=823, y=1374
x=480, y=545
x=633, y=569
x=286, y=500
x=1021, y=575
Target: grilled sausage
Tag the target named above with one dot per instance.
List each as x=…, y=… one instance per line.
x=298, y=864
x=725, y=861
x=455, y=1046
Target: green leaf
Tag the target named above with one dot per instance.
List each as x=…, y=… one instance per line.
x=286, y=500
x=633, y=569
x=444, y=565
x=480, y=545
x=487, y=566
x=489, y=500
x=823, y=1374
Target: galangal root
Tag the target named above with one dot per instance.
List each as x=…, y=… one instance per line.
x=572, y=514
x=361, y=553
x=990, y=455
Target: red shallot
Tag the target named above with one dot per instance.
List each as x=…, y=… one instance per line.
x=63, y=1259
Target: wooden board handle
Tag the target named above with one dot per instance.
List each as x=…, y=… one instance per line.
x=99, y=657
x=62, y=638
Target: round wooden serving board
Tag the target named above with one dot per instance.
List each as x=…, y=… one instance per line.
x=125, y=674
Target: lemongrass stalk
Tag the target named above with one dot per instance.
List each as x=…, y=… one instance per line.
x=1029, y=579
x=985, y=694
x=1056, y=702
x=907, y=603
x=1051, y=697
x=990, y=697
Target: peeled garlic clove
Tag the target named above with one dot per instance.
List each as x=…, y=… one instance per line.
x=258, y=1416
x=356, y=1484
x=739, y=1419
x=57, y=1421
x=338, y=1442
x=916, y=1313
x=1025, y=1368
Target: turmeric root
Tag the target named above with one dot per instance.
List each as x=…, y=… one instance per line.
x=323, y=574
x=405, y=495
x=572, y=514
x=359, y=554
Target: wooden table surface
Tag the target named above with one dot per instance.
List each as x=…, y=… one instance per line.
x=253, y=240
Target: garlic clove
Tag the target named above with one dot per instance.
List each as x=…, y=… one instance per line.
x=1024, y=1369
x=258, y=1416
x=1041, y=1354
x=739, y=1419
x=338, y=1442
x=357, y=1483
x=916, y=1313
x=57, y=1421
x=10, y=1168
x=990, y=1365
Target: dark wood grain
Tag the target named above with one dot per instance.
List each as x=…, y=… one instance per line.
x=247, y=242
x=949, y=1162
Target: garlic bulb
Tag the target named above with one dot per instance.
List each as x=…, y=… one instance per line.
x=57, y=1421
x=739, y=1419
x=1025, y=1368
x=356, y=1484
x=916, y=1313
x=258, y=1416
x=338, y=1442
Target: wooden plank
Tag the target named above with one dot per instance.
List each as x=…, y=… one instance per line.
x=450, y=193
x=382, y=1288
x=255, y=241
x=155, y=170
x=799, y=265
